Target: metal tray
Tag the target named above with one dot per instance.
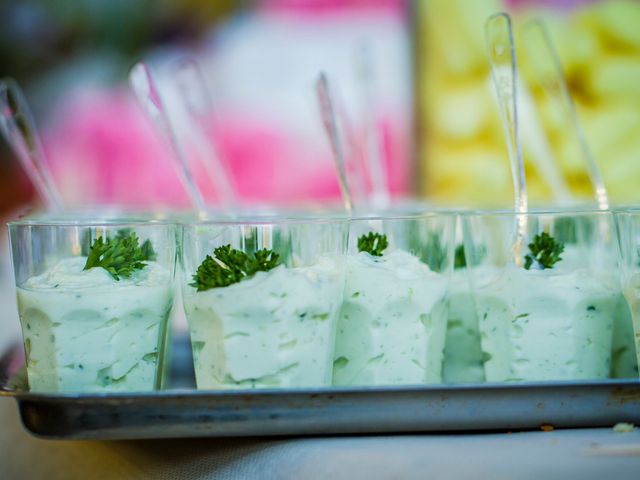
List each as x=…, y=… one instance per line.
x=183, y=411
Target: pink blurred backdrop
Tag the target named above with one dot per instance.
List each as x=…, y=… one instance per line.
x=103, y=150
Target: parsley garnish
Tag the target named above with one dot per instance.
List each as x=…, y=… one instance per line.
x=148, y=253
x=119, y=256
x=544, y=252
x=373, y=243
x=229, y=266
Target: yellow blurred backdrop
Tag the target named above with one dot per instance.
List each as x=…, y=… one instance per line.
x=463, y=156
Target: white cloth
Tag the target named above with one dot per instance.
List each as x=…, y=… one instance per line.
x=562, y=454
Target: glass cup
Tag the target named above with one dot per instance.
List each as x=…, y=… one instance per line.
x=462, y=361
x=462, y=352
x=391, y=329
x=623, y=351
x=99, y=324
x=628, y=222
x=121, y=214
x=261, y=298
x=546, y=290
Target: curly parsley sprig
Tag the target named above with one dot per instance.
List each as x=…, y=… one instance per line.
x=544, y=252
x=373, y=243
x=147, y=252
x=120, y=256
x=229, y=266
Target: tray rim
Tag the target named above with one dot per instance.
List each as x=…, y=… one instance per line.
x=180, y=393
x=186, y=412
x=305, y=412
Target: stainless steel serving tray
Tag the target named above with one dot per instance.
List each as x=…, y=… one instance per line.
x=183, y=411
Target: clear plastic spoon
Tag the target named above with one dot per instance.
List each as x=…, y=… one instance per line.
x=354, y=160
x=502, y=59
x=330, y=122
x=546, y=63
x=365, y=73
x=19, y=128
x=194, y=94
x=148, y=94
x=533, y=135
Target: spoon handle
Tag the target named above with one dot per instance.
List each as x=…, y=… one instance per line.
x=546, y=63
x=366, y=76
x=19, y=128
x=329, y=120
x=147, y=92
x=196, y=100
x=502, y=60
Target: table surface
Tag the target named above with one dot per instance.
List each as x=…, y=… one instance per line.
x=562, y=454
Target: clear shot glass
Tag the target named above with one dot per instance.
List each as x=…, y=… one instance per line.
x=94, y=300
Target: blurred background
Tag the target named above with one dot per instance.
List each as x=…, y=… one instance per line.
x=426, y=98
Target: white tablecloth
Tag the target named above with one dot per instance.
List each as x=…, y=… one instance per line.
x=561, y=454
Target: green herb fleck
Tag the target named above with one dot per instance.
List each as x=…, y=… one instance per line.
x=544, y=252
x=373, y=243
x=459, y=260
x=435, y=254
x=151, y=357
x=229, y=266
x=120, y=256
x=340, y=362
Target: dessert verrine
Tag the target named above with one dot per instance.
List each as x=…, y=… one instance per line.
x=628, y=222
x=623, y=352
x=94, y=301
x=392, y=323
x=546, y=301
x=624, y=359
x=624, y=356
x=462, y=351
x=262, y=299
